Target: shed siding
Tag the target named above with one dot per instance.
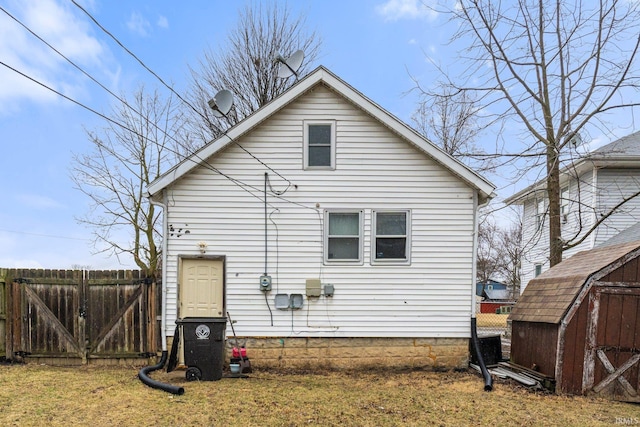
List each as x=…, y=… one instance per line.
x=375, y=169
x=533, y=345
x=617, y=336
x=575, y=337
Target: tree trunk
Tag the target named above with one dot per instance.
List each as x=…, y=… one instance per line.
x=553, y=193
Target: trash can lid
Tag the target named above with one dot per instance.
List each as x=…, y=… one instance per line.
x=201, y=320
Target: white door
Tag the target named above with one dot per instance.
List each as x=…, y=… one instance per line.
x=201, y=288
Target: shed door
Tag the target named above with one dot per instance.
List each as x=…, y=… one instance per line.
x=612, y=355
x=202, y=288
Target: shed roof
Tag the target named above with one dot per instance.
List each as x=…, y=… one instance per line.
x=549, y=296
x=325, y=77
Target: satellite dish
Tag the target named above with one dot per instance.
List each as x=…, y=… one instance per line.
x=221, y=103
x=289, y=66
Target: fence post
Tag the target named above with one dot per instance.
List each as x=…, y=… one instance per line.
x=80, y=277
x=3, y=313
x=151, y=316
x=14, y=341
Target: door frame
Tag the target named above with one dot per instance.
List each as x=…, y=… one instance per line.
x=221, y=258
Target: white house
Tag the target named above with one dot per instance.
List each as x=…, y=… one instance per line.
x=590, y=189
x=331, y=232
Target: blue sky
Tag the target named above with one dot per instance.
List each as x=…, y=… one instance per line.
x=374, y=45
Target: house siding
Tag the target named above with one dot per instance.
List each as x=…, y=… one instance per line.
x=613, y=186
x=375, y=169
x=594, y=194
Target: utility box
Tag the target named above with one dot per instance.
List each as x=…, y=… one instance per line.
x=314, y=288
x=204, y=347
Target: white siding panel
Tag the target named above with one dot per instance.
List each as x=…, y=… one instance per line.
x=431, y=297
x=590, y=198
x=614, y=185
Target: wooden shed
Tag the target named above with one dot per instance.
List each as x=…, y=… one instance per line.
x=579, y=322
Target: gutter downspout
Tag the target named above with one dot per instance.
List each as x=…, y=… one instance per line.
x=143, y=374
x=165, y=228
x=475, y=343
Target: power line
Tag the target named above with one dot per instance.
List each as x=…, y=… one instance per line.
x=169, y=87
x=110, y=120
x=133, y=55
x=124, y=102
x=277, y=194
x=51, y=236
x=201, y=161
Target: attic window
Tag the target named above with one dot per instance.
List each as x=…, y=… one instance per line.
x=319, y=144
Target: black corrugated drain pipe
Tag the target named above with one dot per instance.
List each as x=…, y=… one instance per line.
x=143, y=375
x=488, y=381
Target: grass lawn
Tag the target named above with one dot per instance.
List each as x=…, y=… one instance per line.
x=114, y=396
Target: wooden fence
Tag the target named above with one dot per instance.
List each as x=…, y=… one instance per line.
x=74, y=316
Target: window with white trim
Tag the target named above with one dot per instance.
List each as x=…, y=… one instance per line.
x=390, y=236
x=564, y=205
x=319, y=145
x=540, y=211
x=538, y=270
x=343, y=236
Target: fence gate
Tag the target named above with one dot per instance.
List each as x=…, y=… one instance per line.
x=82, y=315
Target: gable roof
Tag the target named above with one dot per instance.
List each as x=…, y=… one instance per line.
x=627, y=147
x=323, y=76
x=622, y=152
x=549, y=296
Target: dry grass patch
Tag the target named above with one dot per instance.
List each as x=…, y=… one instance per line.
x=97, y=396
x=492, y=319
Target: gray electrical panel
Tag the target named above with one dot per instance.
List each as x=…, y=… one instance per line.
x=328, y=290
x=265, y=283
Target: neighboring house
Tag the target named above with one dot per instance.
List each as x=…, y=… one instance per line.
x=591, y=188
x=496, y=297
x=332, y=233
x=492, y=289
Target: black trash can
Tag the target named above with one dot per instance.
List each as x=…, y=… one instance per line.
x=204, y=347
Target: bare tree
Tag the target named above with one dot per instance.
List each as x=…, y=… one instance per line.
x=488, y=258
x=453, y=120
x=510, y=241
x=247, y=67
x=499, y=251
x=128, y=154
x=559, y=69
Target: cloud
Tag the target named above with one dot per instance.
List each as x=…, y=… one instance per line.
x=394, y=10
x=36, y=201
x=138, y=24
x=59, y=25
x=162, y=22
